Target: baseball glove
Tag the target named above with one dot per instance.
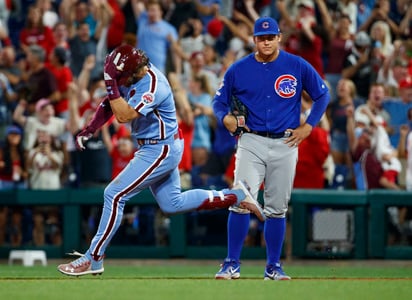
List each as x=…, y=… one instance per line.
x=240, y=111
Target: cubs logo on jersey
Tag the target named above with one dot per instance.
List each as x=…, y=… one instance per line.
x=285, y=86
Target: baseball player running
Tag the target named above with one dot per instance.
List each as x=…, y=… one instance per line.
x=139, y=93
x=269, y=83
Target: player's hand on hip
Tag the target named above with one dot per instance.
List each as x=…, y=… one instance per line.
x=298, y=135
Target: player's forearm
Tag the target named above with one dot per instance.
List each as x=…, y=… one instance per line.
x=220, y=110
x=123, y=112
x=318, y=109
x=101, y=116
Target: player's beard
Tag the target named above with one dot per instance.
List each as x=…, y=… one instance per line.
x=132, y=80
x=141, y=72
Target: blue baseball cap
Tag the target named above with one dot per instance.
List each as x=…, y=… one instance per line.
x=266, y=26
x=13, y=129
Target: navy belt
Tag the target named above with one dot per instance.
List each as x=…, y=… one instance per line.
x=141, y=142
x=272, y=135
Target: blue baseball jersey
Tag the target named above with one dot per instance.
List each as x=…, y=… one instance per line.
x=152, y=99
x=272, y=92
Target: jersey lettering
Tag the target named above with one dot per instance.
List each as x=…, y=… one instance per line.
x=285, y=86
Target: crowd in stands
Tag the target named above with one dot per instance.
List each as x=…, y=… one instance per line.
x=51, y=60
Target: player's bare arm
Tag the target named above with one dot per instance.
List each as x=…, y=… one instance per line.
x=123, y=111
x=230, y=122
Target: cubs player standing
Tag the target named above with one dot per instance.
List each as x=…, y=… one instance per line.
x=269, y=83
x=149, y=105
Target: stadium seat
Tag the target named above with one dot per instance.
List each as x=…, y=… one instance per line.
x=28, y=257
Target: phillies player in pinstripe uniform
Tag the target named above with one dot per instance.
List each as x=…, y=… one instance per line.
x=269, y=83
x=139, y=93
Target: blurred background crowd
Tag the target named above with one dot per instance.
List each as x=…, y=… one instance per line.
x=51, y=60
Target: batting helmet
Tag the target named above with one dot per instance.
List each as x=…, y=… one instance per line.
x=127, y=60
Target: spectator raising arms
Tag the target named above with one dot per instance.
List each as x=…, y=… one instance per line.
x=45, y=162
x=155, y=35
x=35, y=32
x=40, y=83
x=116, y=26
x=44, y=119
x=357, y=66
x=83, y=40
x=341, y=42
x=394, y=69
x=309, y=39
x=58, y=66
x=61, y=35
x=380, y=12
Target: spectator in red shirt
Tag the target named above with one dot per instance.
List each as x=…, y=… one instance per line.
x=63, y=74
x=91, y=90
x=35, y=33
x=117, y=25
x=341, y=42
x=313, y=152
x=308, y=38
x=61, y=35
x=120, y=147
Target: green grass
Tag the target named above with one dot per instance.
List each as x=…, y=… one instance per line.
x=180, y=280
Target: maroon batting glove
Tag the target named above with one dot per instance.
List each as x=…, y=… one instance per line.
x=102, y=114
x=82, y=137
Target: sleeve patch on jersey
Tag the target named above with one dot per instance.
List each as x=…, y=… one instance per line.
x=285, y=86
x=147, y=98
